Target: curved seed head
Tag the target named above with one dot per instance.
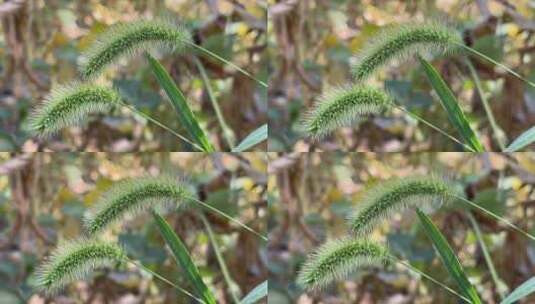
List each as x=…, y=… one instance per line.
x=128, y=198
x=385, y=198
x=336, y=259
x=402, y=41
x=76, y=260
x=70, y=105
x=342, y=106
x=129, y=39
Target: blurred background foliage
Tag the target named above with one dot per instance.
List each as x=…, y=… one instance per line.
x=43, y=197
x=311, y=195
x=314, y=40
x=41, y=41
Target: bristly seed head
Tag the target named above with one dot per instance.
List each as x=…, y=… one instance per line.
x=402, y=41
x=131, y=197
x=336, y=259
x=385, y=198
x=76, y=260
x=70, y=105
x=342, y=106
x=130, y=39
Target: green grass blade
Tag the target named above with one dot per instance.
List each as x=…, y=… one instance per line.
x=183, y=258
x=255, y=295
x=525, y=139
x=449, y=102
x=449, y=259
x=233, y=287
x=252, y=139
x=501, y=287
x=178, y=100
x=525, y=289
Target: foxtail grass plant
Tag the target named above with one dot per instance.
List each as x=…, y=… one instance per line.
x=336, y=259
x=76, y=260
x=72, y=104
x=397, y=43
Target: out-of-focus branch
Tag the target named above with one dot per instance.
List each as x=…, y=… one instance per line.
x=11, y=7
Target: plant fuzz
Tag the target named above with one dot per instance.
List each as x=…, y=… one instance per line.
x=385, y=198
x=75, y=260
x=402, y=41
x=130, y=39
x=342, y=106
x=70, y=105
x=336, y=259
x=131, y=197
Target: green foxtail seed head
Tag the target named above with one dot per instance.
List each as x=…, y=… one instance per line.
x=129, y=39
x=402, y=41
x=385, y=198
x=131, y=197
x=336, y=259
x=76, y=260
x=70, y=105
x=342, y=106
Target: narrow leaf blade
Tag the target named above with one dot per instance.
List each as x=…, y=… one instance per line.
x=449, y=102
x=252, y=139
x=522, y=141
x=525, y=289
x=449, y=259
x=259, y=292
x=178, y=100
x=183, y=258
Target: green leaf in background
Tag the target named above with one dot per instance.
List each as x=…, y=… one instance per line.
x=520, y=292
x=253, y=139
x=182, y=256
x=449, y=259
x=178, y=100
x=522, y=141
x=259, y=292
x=449, y=102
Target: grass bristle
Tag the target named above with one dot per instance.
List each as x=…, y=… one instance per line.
x=336, y=259
x=125, y=40
x=70, y=105
x=76, y=260
x=342, y=106
x=401, y=42
x=130, y=197
x=380, y=201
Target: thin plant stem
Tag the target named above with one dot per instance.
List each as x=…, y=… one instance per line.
x=501, y=65
x=423, y=274
x=214, y=55
x=230, y=282
x=497, y=282
x=161, y=125
x=139, y=265
x=498, y=133
x=497, y=217
x=227, y=132
x=230, y=218
x=433, y=127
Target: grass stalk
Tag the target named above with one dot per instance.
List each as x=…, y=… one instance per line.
x=430, y=278
x=497, y=131
x=497, y=281
x=163, y=279
x=495, y=216
x=230, y=218
x=227, y=131
x=226, y=275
